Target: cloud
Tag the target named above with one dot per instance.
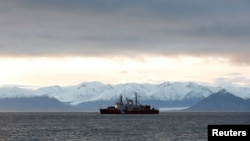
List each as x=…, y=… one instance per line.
x=234, y=74
x=130, y=28
x=233, y=79
x=236, y=81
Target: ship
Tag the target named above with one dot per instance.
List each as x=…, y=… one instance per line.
x=129, y=107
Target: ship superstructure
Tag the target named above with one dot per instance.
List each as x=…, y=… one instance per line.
x=130, y=107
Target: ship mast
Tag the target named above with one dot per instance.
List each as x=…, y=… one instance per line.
x=120, y=99
x=135, y=99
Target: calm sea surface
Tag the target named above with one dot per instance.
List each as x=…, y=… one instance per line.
x=168, y=126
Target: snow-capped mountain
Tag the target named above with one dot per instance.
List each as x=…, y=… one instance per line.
x=180, y=91
x=97, y=91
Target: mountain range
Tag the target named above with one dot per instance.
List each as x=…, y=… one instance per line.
x=90, y=96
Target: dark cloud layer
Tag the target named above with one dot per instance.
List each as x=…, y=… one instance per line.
x=130, y=28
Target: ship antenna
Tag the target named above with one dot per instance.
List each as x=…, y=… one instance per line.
x=135, y=99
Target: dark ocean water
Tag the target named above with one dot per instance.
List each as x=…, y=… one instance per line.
x=168, y=126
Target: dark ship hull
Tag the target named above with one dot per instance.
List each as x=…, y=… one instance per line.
x=129, y=108
x=107, y=111
x=142, y=112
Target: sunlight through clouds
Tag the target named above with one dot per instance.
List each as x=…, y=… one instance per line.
x=71, y=70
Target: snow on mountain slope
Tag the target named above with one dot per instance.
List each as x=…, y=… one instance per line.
x=239, y=91
x=96, y=91
x=180, y=91
x=87, y=91
x=129, y=89
x=168, y=91
x=9, y=92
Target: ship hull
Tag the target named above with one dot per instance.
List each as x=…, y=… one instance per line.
x=107, y=111
x=142, y=112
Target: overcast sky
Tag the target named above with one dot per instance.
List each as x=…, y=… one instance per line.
x=133, y=32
